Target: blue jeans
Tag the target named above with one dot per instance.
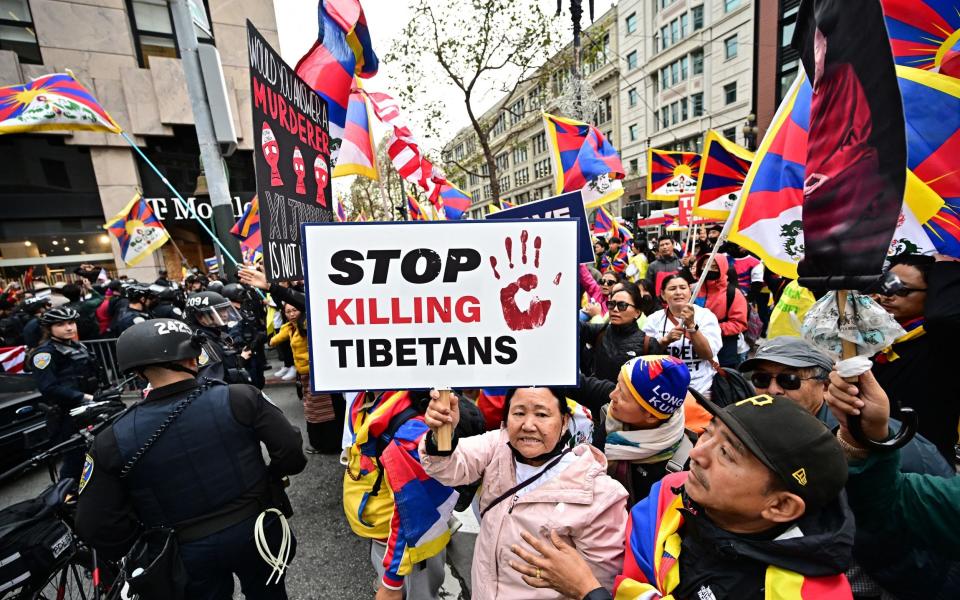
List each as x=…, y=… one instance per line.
x=211, y=563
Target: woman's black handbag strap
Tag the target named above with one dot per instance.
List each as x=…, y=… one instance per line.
x=523, y=484
x=174, y=414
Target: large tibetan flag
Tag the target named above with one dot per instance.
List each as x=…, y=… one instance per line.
x=723, y=169
x=414, y=212
x=137, y=229
x=247, y=230
x=671, y=174
x=454, y=202
x=357, y=155
x=52, y=103
x=343, y=49
x=603, y=222
x=925, y=34
x=583, y=159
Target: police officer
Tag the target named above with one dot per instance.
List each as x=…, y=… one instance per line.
x=138, y=299
x=203, y=475
x=168, y=304
x=250, y=331
x=212, y=316
x=66, y=375
x=33, y=309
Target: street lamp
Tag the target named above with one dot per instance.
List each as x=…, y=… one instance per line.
x=751, y=131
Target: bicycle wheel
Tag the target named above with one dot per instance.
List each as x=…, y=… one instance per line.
x=76, y=581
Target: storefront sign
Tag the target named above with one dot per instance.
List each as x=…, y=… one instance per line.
x=447, y=303
x=291, y=159
x=170, y=209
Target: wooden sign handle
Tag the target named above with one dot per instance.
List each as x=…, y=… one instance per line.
x=445, y=433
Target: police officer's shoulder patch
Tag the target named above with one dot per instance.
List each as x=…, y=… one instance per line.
x=86, y=473
x=204, y=358
x=41, y=360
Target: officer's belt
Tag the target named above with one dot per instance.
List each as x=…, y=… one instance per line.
x=200, y=527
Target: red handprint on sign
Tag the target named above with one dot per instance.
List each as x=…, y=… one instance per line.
x=536, y=314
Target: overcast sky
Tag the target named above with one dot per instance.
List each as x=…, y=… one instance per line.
x=297, y=26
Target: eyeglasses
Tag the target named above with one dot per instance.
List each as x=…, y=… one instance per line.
x=618, y=305
x=902, y=292
x=608, y=282
x=787, y=381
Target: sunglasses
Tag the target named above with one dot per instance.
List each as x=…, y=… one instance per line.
x=787, y=381
x=618, y=305
x=903, y=292
x=608, y=282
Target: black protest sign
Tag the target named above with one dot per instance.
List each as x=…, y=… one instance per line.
x=291, y=157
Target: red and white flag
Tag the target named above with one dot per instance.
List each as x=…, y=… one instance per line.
x=12, y=358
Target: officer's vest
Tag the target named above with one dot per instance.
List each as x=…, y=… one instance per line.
x=203, y=461
x=76, y=366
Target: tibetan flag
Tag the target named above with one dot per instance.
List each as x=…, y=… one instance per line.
x=603, y=222
x=583, y=159
x=671, y=174
x=504, y=204
x=211, y=264
x=454, y=201
x=138, y=231
x=341, y=210
x=769, y=217
x=52, y=103
x=357, y=155
x=931, y=104
x=360, y=218
x=414, y=212
x=723, y=169
x=925, y=34
x=342, y=50
x=247, y=230
x=626, y=237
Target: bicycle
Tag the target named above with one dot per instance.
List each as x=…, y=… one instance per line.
x=41, y=557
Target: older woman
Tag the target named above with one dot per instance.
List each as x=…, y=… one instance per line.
x=687, y=331
x=532, y=481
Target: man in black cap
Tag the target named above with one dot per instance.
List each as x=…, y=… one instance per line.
x=793, y=368
x=761, y=508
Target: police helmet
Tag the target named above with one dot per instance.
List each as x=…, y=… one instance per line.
x=167, y=294
x=156, y=342
x=61, y=314
x=215, y=286
x=136, y=291
x=234, y=292
x=210, y=309
x=34, y=305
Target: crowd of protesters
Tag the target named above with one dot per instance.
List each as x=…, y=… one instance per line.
x=706, y=452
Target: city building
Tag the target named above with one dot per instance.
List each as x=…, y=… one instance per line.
x=525, y=171
x=776, y=70
x=686, y=66
x=58, y=189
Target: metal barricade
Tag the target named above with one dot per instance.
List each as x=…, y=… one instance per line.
x=106, y=352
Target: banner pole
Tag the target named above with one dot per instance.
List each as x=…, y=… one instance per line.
x=180, y=200
x=727, y=226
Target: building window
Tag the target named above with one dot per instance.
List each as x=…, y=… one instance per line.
x=633, y=97
x=674, y=113
x=632, y=61
x=665, y=118
x=499, y=126
x=683, y=68
x=470, y=145
x=631, y=23
x=656, y=120
x=521, y=177
x=696, y=57
x=730, y=133
x=17, y=32
x=634, y=166
x=502, y=161
x=674, y=31
x=539, y=143
x=696, y=104
x=609, y=135
x=684, y=22
x=675, y=72
x=730, y=47
x=153, y=30
x=504, y=183
x=729, y=5
x=516, y=112
x=605, y=110
x=730, y=93
x=633, y=132
x=487, y=192
x=541, y=168
x=788, y=73
x=665, y=77
x=690, y=144
x=683, y=109
x=474, y=179
x=665, y=37
x=697, y=12
x=520, y=155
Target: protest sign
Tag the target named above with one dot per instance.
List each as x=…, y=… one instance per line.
x=568, y=205
x=447, y=303
x=290, y=120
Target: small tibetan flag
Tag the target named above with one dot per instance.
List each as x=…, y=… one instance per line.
x=138, y=231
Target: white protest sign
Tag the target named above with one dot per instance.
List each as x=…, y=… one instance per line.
x=461, y=304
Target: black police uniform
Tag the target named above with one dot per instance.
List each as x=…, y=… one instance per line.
x=64, y=372
x=167, y=310
x=220, y=359
x=205, y=477
x=249, y=333
x=127, y=319
x=32, y=333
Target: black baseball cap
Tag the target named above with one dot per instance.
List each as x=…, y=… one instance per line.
x=791, y=442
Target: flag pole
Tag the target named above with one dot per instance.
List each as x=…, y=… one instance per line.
x=180, y=200
x=727, y=226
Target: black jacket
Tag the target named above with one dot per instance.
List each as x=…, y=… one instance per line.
x=923, y=377
x=611, y=346
x=289, y=296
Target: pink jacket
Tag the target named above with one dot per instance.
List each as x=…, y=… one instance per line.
x=592, y=289
x=585, y=505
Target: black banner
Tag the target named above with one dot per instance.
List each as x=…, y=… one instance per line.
x=291, y=157
x=857, y=151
